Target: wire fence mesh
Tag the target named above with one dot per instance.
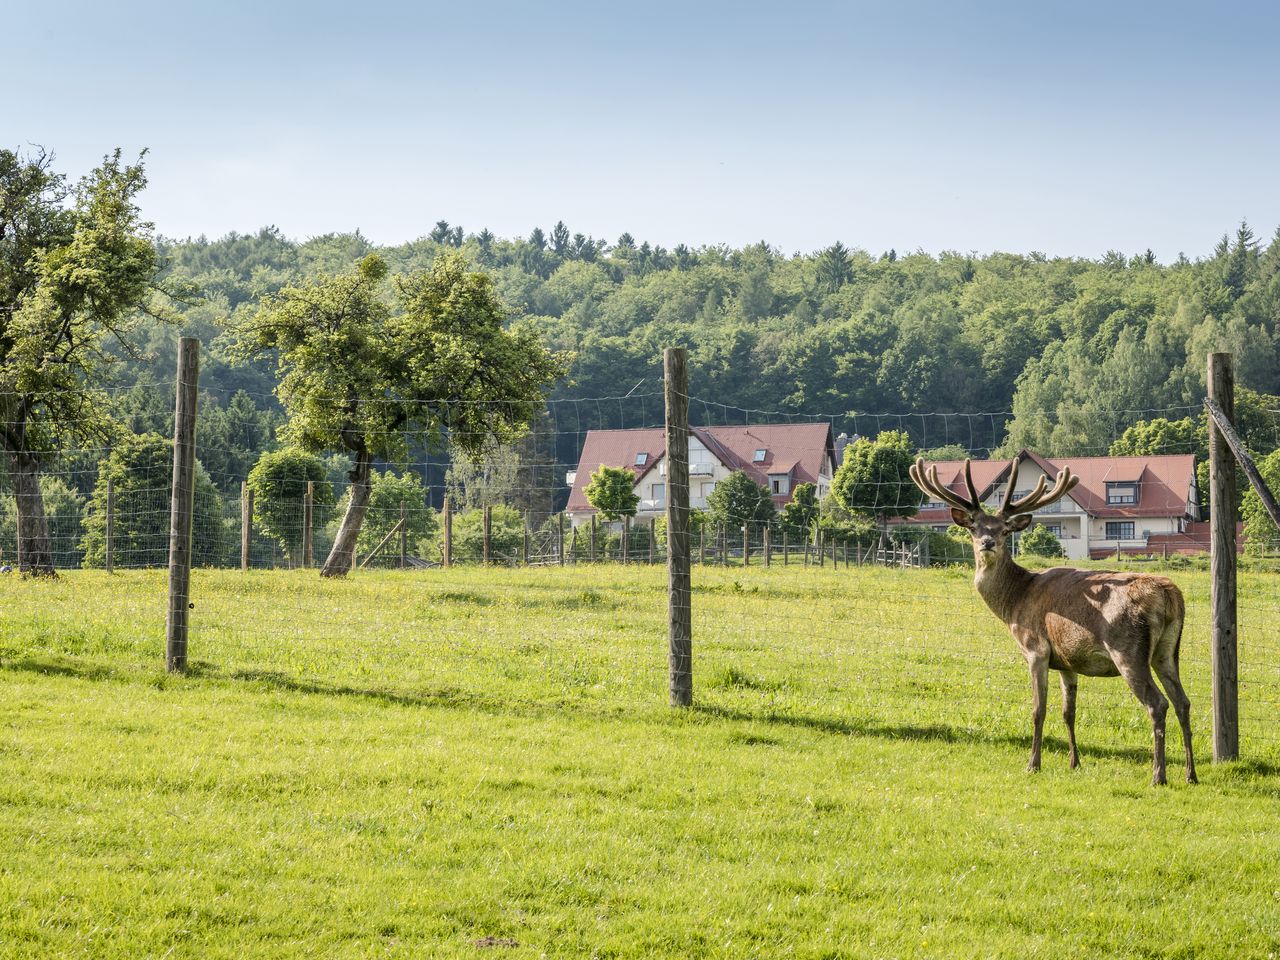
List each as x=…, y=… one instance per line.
x=820, y=619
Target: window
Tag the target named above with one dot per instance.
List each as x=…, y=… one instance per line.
x=659, y=493
x=1117, y=530
x=759, y=457
x=777, y=486
x=1122, y=493
x=1055, y=529
x=641, y=459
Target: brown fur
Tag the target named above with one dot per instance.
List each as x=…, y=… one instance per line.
x=1078, y=622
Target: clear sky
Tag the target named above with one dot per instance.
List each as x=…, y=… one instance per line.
x=1069, y=128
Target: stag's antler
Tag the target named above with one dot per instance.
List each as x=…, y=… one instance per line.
x=927, y=480
x=1037, y=498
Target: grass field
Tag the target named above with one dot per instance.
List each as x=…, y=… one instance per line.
x=470, y=763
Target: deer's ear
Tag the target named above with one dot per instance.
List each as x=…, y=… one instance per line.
x=961, y=517
x=1020, y=522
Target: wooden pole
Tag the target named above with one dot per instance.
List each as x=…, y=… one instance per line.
x=724, y=546
x=308, y=518
x=404, y=537
x=184, y=473
x=1222, y=533
x=524, y=552
x=653, y=536
x=593, y=538
x=768, y=547
x=679, y=577
x=488, y=533
x=573, y=545
x=246, y=524
x=785, y=548
x=702, y=545
x=381, y=543
x=626, y=539
x=446, y=557
x=111, y=519
x=746, y=545
x=560, y=538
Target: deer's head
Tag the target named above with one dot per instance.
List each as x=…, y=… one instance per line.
x=990, y=532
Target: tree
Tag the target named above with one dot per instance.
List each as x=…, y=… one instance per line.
x=64, y=510
x=389, y=492
x=834, y=268
x=1040, y=541
x=874, y=478
x=74, y=281
x=354, y=376
x=611, y=491
x=141, y=471
x=483, y=479
x=739, y=500
x=279, y=484
x=1162, y=436
x=950, y=451
x=799, y=516
x=506, y=535
x=1259, y=530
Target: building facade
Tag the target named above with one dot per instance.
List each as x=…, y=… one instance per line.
x=779, y=457
x=1131, y=504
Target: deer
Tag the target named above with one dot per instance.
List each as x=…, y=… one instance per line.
x=1077, y=622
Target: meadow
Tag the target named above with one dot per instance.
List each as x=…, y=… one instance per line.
x=473, y=762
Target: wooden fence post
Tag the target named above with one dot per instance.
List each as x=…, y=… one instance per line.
x=308, y=518
x=626, y=539
x=1222, y=532
x=246, y=524
x=446, y=557
x=488, y=533
x=785, y=547
x=524, y=552
x=560, y=537
x=746, y=545
x=767, y=547
x=679, y=582
x=404, y=537
x=111, y=519
x=702, y=545
x=184, y=471
x=593, y=538
x=724, y=546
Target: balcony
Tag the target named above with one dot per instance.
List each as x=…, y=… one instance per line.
x=657, y=504
x=701, y=469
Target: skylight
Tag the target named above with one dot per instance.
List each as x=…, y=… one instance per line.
x=759, y=457
x=641, y=459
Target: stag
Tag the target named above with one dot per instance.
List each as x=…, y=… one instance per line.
x=1078, y=622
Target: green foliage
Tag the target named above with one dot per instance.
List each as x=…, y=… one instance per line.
x=141, y=468
x=279, y=483
x=874, y=478
x=738, y=500
x=64, y=510
x=611, y=491
x=1261, y=534
x=506, y=536
x=950, y=451
x=1040, y=541
x=1162, y=436
x=388, y=492
x=801, y=512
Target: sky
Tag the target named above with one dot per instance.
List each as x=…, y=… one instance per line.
x=1066, y=128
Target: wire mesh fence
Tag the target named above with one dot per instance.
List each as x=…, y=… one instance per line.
x=808, y=617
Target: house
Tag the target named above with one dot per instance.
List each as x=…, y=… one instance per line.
x=1133, y=504
x=779, y=457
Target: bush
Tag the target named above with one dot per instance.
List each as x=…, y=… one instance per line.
x=1039, y=541
x=1260, y=533
x=506, y=536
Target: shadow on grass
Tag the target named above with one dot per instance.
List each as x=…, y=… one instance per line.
x=1238, y=772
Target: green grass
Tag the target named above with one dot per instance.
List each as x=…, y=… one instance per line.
x=466, y=763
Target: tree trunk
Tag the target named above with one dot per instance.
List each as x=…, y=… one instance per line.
x=884, y=531
x=339, y=561
x=34, y=554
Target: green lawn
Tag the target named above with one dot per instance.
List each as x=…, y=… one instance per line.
x=471, y=763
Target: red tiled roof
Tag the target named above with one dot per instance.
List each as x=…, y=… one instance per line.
x=795, y=448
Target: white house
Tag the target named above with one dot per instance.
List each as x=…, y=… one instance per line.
x=780, y=457
x=1133, y=504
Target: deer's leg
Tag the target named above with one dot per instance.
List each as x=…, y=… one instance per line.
x=1143, y=685
x=1039, y=667
x=1069, y=685
x=1167, y=670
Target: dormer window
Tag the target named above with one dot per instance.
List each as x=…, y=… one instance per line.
x=641, y=459
x=759, y=457
x=1122, y=494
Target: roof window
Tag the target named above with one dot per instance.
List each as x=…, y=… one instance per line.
x=642, y=459
x=759, y=457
